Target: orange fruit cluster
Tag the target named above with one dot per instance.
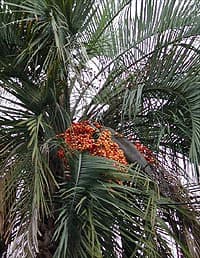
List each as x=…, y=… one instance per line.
x=83, y=136
x=92, y=138
x=105, y=147
x=146, y=152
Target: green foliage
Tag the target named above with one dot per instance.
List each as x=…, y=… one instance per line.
x=100, y=217
x=133, y=66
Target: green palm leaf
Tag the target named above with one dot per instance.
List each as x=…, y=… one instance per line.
x=95, y=210
x=134, y=67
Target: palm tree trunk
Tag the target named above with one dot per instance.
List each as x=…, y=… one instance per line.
x=46, y=246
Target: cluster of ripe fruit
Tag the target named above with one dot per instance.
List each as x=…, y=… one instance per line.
x=92, y=138
x=83, y=136
x=146, y=152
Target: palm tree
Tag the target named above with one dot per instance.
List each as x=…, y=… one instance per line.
x=131, y=66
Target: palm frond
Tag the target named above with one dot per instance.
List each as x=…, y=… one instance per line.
x=135, y=215
x=157, y=71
